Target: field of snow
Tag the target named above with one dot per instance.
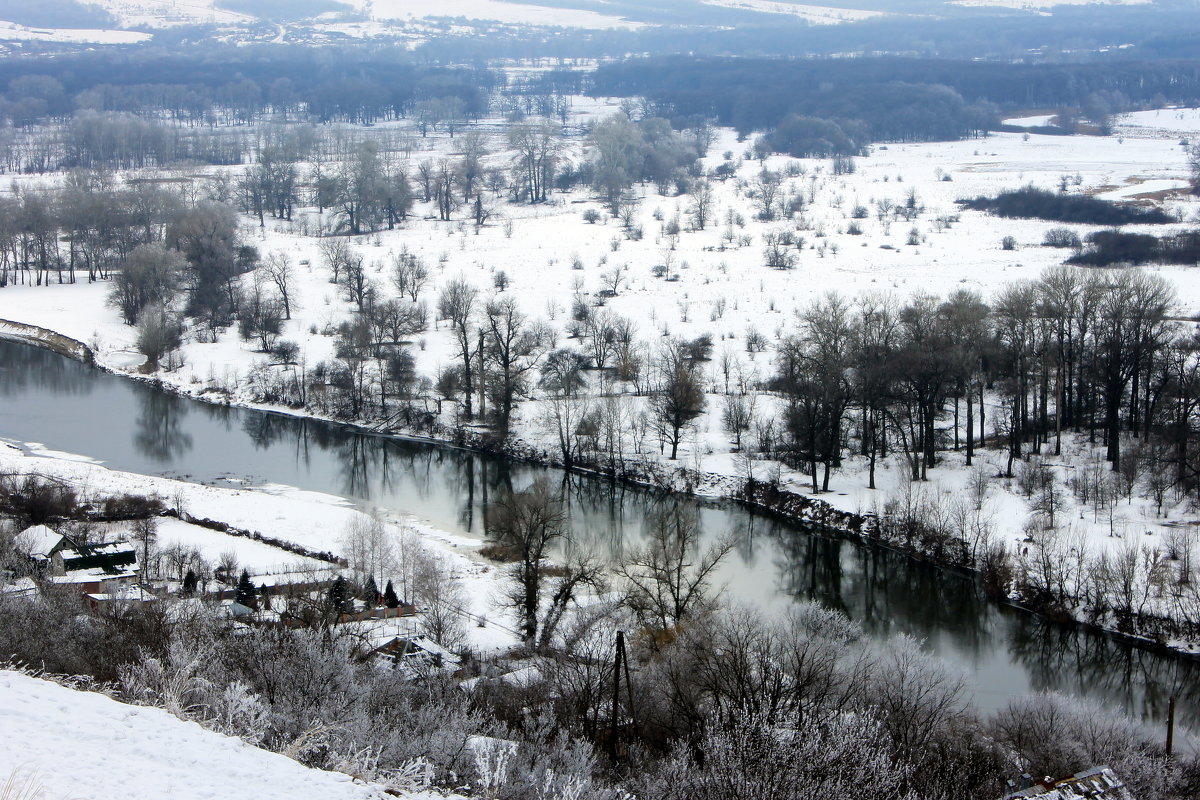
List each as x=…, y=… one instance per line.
x=1043, y=4
x=74, y=744
x=510, y=13
x=168, y=13
x=817, y=15
x=12, y=32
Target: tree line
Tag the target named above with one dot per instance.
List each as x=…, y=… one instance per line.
x=893, y=99
x=194, y=87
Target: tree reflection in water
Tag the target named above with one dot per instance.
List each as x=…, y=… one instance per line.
x=159, y=432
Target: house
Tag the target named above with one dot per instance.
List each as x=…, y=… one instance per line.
x=42, y=545
x=57, y=555
x=413, y=653
x=1098, y=783
x=92, y=569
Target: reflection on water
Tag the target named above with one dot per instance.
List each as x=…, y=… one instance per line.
x=1004, y=653
x=160, y=433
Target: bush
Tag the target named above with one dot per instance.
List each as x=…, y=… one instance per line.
x=36, y=501
x=1062, y=237
x=1116, y=247
x=132, y=506
x=1008, y=243
x=1032, y=203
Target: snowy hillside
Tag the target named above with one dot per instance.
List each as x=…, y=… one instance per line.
x=85, y=745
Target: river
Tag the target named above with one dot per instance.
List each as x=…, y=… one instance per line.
x=132, y=426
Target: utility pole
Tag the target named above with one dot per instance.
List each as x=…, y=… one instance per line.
x=620, y=665
x=616, y=698
x=1171, y=726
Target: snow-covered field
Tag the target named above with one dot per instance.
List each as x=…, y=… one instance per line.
x=511, y=13
x=1042, y=4
x=64, y=743
x=11, y=31
x=817, y=15
x=719, y=284
x=168, y=13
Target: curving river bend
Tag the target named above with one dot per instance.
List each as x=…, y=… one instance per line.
x=132, y=426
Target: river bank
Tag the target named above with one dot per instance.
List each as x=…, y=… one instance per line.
x=910, y=535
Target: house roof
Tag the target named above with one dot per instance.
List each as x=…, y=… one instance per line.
x=39, y=542
x=1098, y=783
x=420, y=648
x=111, y=557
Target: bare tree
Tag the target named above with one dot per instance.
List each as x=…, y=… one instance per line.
x=457, y=303
x=336, y=254
x=442, y=599
x=701, y=209
x=513, y=347
x=279, y=270
x=526, y=524
x=670, y=578
x=369, y=548
x=678, y=398
x=409, y=274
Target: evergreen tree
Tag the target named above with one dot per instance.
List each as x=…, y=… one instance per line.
x=389, y=596
x=370, y=592
x=245, y=593
x=338, y=595
x=189, y=582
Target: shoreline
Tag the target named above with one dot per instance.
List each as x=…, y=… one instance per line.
x=752, y=495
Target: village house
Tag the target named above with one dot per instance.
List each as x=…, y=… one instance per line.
x=104, y=571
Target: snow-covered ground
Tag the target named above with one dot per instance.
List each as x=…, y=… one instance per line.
x=169, y=13
x=11, y=31
x=1042, y=4
x=512, y=13
x=815, y=14
x=64, y=743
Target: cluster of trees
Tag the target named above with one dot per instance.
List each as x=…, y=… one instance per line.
x=625, y=152
x=1105, y=248
x=1033, y=203
x=89, y=225
x=832, y=102
x=1094, y=352
x=197, y=87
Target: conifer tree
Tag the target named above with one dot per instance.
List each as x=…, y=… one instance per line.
x=370, y=592
x=245, y=593
x=389, y=596
x=338, y=595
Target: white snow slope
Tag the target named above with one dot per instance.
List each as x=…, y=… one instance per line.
x=86, y=746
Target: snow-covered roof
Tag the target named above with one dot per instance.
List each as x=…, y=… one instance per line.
x=21, y=587
x=91, y=575
x=1099, y=783
x=38, y=541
